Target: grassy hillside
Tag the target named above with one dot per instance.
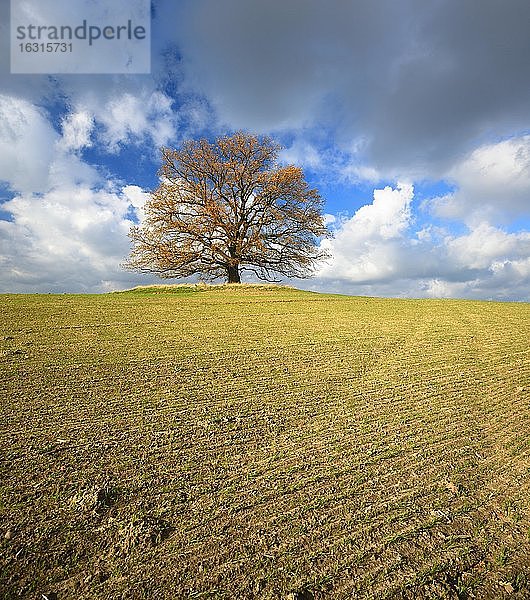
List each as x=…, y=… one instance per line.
x=263, y=443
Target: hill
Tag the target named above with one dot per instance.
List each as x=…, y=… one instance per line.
x=263, y=443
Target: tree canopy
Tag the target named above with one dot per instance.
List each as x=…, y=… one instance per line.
x=226, y=207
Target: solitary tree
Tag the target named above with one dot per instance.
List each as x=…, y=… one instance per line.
x=225, y=207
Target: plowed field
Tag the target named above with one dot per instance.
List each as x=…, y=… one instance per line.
x=261, y=442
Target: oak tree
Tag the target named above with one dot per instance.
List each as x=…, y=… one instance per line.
x=226, y=207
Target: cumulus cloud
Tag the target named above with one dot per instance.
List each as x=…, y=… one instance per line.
x=67, y=226
x=364, y=246
x=492, y=184
x=71, y=238
x=26, y=137
x=33, y=156
x=377, y=251
x=487, y=247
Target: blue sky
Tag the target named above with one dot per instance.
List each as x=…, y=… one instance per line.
x=411, y=118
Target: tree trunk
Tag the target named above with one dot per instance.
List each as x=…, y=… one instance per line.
x=233, y=274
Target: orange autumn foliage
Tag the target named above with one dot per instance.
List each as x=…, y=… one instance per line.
x=226, y=207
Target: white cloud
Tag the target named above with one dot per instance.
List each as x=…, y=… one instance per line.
x=389, y=214
x=376, y=252
x=68, y=226
x=67, y=169
x=26, y=138
x=303, y=154
x=485, y=246
x=69, y=239
x=364, y=246
x=132, y=118
x=502, y=280
x=438, y=288
x=33, y=157
x=137, y=198
x=355, y=173
x=77, y=129
x=493, y=184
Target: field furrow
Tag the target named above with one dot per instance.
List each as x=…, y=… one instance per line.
x=255, y=443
